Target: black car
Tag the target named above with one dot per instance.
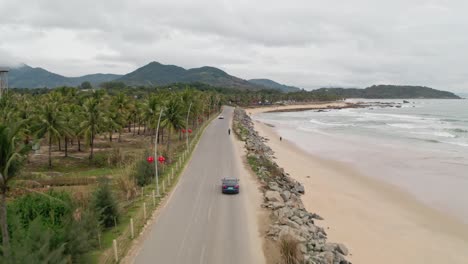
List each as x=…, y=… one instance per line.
x=230, y=185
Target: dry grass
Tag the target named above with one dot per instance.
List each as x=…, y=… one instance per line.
x=289, y=248
x=126, y=183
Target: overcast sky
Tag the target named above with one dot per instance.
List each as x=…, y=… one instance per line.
x=306, y=43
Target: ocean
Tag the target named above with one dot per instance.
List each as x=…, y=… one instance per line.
x=421, y=147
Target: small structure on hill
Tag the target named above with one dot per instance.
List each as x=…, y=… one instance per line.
x=3, y=81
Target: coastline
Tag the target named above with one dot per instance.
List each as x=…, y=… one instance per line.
x=378, y=222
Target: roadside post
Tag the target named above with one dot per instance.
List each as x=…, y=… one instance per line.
x=116, y=255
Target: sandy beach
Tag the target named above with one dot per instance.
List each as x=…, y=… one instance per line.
x=378, y=222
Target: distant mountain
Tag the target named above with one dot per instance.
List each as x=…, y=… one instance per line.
x=274, y=85
x=95, y=79
x=26, y=76
x=390, y=92
x=153, y=73
x=156, y=73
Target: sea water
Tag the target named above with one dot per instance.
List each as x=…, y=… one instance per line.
x=421, y=147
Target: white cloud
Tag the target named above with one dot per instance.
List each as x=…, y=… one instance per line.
x=307, y=43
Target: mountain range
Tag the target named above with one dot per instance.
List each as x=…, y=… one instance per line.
x=153, y=73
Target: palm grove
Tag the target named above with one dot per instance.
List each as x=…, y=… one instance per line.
x=71, y=159
x=66, y=130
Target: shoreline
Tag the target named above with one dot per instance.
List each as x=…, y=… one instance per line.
x=377, y=221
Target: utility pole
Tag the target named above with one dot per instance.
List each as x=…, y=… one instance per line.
x=156, y=153
x=186, y=132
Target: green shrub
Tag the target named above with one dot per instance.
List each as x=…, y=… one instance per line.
x=34, y=244
x=46, y=226
x=53, y=207
x=105, y=204
x=100, y=159
x=81, y=235
x=144, y=171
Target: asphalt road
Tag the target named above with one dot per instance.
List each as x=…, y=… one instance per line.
x=201, y=225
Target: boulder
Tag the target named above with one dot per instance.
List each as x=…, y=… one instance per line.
x=342, y=249
x=325, y=257
x=284, y=212
x=286, y=194
x=297, y=220
x=316, y=216
x=329, y=247
x=275, y=205
x=299, y=188
x=292, y=224
x=303, y=248
x=274, y=186
x=273, y=196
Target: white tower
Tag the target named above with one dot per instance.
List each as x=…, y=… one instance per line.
x=3, y=81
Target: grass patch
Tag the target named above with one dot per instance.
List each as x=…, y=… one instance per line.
x=97, y=172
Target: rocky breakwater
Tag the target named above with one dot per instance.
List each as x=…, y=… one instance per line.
x=282, y=196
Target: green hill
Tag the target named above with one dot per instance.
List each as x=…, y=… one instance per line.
x=156, y=73
x=274, y=85
x=389, y=92
x=26, y=76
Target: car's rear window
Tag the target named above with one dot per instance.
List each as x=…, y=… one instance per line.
x=230, y=181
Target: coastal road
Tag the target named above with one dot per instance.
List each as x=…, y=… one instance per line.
x=198, y=224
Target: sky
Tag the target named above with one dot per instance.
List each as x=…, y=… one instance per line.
x=306, y=43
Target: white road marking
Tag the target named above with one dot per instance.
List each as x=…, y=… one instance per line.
x=209, y=211
x=202, y=256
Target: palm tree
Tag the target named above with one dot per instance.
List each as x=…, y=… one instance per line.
x=49, y=123
x=121, y=105
x=173, y=119
x=151, y=109
x=12, y=152
x=93, y=120
x=68, y=113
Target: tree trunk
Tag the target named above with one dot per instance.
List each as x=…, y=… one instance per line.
x=91, y=155
x=139, y=126
x=129, y=127
x=50, y=152
x=162, y=136
x=120, y=134
x=134, y=123
x=79, y=145
x=3, y=223
x=169, y=145
x=110, y=136
x=59, y=145
x=66, y=146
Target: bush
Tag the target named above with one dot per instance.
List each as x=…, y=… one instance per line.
x=105, y=205
x=116, y=157
x=126, y=183
x=52, y=207
x=144, y=171
x=34, y=244
x=49, y=228
x=100, y=159
x=81, y=235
